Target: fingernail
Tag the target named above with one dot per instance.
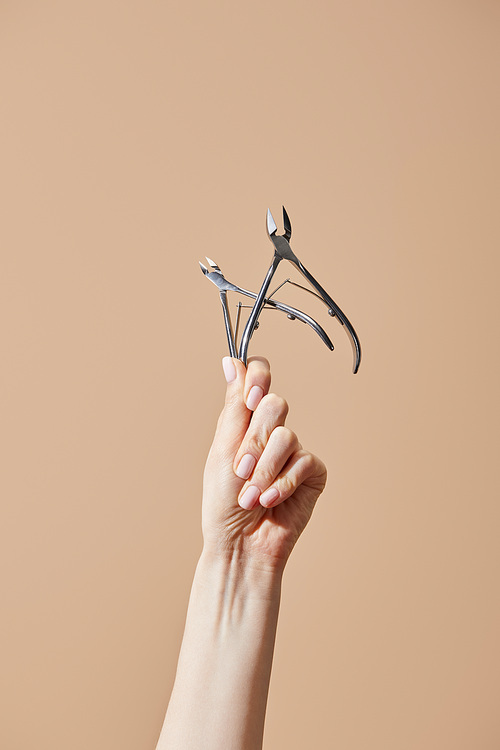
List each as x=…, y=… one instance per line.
x=254, y=397
x=245, y=466
x=229, y=369
x=269, y=496
x=249, y=498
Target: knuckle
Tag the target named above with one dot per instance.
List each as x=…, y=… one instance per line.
x=287, y=485
x=264, y=476
x=309, y=463
x=286, y=437
x=258, y=373
x=321, y=467
x=256, y=361
x=312, y=466
x=275, y=405
x=255, y=445
x=231, y=399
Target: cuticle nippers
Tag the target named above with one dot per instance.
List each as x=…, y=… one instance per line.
x=282, y=251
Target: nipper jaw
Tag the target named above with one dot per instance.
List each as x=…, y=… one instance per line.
x=281, y=242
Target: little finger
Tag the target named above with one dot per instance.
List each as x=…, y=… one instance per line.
x=303, y=468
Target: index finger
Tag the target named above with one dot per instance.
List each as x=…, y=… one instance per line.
x=257, y=381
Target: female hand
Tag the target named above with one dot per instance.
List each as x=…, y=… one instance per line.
x=260, y=486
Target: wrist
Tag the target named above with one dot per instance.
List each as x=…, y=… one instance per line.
x=234, y=571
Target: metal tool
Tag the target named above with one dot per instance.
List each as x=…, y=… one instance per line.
x=283, y=251
x=225, y=286
x=263, y=300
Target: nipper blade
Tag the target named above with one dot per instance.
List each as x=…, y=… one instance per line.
x=271, y=224
x=287, y=224
x=212, y=263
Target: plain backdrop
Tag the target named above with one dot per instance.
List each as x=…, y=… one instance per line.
x=138, y=137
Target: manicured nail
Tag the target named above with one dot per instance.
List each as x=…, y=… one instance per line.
x=269, y=496
x=254, y=397
x=245, y=466
x=249, y=498
x=229, y=369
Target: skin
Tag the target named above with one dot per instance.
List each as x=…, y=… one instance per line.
x=221, y=686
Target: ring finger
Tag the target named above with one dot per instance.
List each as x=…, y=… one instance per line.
x=282, y=444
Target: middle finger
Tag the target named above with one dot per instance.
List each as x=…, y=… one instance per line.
x=269, y=414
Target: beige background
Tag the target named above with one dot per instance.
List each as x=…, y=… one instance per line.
x=138, y=137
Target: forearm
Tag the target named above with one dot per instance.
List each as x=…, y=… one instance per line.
x=259, y=491
x=220, y=691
